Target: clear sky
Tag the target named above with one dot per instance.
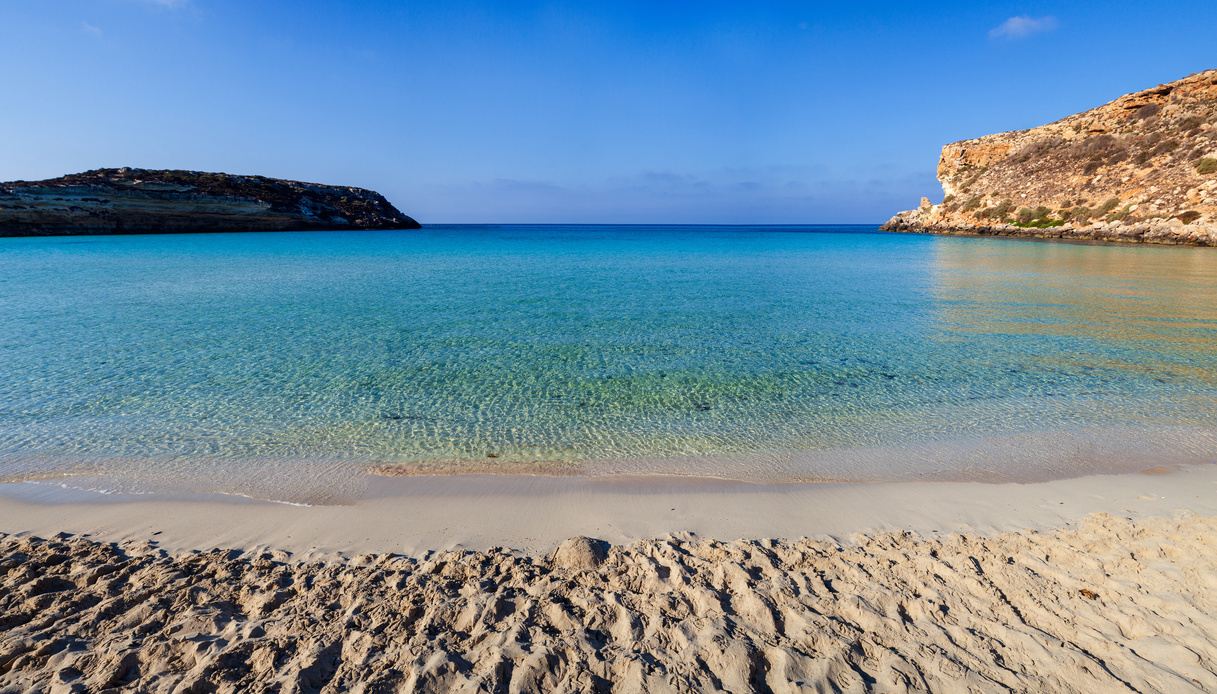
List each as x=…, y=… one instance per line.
x=615, y=112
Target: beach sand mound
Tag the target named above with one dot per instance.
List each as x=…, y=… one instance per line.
x=1110, y=605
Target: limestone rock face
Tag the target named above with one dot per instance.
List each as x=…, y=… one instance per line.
x=140, y=201
x=1140, y=169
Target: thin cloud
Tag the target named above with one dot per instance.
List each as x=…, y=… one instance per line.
x=1022, y=26
x=91, y=29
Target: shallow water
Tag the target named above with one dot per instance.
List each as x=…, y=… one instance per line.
x=282, y=365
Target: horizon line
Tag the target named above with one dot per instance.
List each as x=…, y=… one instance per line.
x=659, y=224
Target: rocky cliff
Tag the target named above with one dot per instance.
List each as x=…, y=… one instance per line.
x=1142, y=169
x=139, y=201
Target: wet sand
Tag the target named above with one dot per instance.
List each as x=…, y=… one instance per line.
x=413, y=515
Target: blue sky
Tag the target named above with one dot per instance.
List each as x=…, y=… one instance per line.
x=614, y=112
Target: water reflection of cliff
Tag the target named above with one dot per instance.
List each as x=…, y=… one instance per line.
x=1131, y=308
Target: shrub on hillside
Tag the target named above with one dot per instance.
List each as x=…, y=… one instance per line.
x=1079, y=214
x=1039, y=218
x=1147, y=111
x=1001, y=212
x=1099, y=151
x=1036, y=150
x=1191, y=123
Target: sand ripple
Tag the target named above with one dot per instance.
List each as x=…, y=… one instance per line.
x=1111, y=605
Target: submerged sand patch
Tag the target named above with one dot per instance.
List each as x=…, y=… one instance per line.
x=1111, y=604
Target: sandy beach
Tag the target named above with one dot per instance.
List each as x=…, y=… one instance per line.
x=490, y=584
x=564, y=347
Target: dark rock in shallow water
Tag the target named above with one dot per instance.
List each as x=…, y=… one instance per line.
x=142, y=201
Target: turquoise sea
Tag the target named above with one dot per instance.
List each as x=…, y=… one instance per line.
x=286, y=365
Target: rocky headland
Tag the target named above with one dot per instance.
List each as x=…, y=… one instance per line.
x=143, y=201
x=1141, y=169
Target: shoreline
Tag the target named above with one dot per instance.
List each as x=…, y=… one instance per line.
x=415, y=515
x=1129, y=235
